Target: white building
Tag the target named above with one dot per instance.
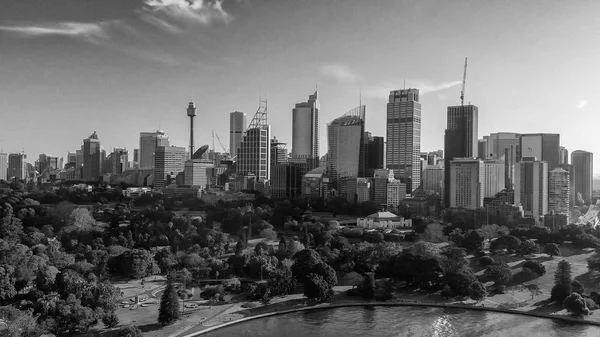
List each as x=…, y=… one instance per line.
x=384, y=220
x=466, y=183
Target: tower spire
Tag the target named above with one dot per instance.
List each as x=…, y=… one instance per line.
x=462, y=92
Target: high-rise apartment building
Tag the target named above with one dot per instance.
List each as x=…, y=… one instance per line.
x=558, y=191
x=460, y=139
x=583, y=175
x=148, y=143
x=237, y=126
x=3, y=166
x=531, y=187
x=543, y=146
x=168, y=162
x=494, y=176
x=17, y=167
x=92, y=158
x=305, y=128
x=345, y=145
x=467, y=178
x=432, y=179
x=403, y=131
x=563, y=155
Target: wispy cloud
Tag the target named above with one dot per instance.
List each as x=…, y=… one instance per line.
x=92, y=32
x=204, y=12
x=339, y=72
x=382, y=90
x=160, y=23
x=581, y=104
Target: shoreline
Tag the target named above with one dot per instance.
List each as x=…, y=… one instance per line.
x=327, y=306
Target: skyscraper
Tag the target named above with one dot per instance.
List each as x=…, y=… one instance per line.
x=543, y=146
x=460, y=139
x=494, y=177
x=482, y=149
x=305, y=129
x=253, y=155
x=168, y=161
x=118, y=161
x=237, y=126
x=583, y=174
x=3, y=166
x=433, y=179
x=563, y=155
x=374, y=148
x=531, y=187
x=345, y=145
x=404, y=137
x=558, y=191
x=17, y=167
x=92, y=158
x=466, y=183
x=148, y=143
x=496, y=143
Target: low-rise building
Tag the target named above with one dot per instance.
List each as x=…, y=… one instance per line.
x=386, y=220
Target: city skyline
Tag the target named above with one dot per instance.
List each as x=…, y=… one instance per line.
x=74, y=51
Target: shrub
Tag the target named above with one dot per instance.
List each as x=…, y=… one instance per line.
x=130, y=331
x=552, y=249
x=577, y=287
x=486, y=261
x=560, y=291
x=591, y=304
x=536, y=267
x=575, y=304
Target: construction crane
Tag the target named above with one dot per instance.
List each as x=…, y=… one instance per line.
x=462, y=92
x=219, y=140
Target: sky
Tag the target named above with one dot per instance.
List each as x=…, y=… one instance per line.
x=71, y=67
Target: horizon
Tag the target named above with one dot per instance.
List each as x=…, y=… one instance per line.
x=125, y=68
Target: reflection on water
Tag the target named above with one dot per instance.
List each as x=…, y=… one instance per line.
x=405, y=321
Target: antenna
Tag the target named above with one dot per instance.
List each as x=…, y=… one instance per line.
x=360, y=96
x=405, y=84
x=462, y=92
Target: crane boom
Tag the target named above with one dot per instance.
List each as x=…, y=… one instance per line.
x=462, y=92
x=219, y=140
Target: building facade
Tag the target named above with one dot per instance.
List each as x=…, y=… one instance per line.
x=559, y=191
x=531, y=187
x=344, y=142
x=92, y=158
x=237, y=126
x=460, y=139
x=583, y=175
x=3, y=166
x=467, y=180
x=396, y=193
x=403, y=135
x=148, y=143
x=254, y=153
x=168, y=162
x=496, y=143
x=494, y=180
x=17, y=167
x=305, y=128
x=199, y=173
x=543, y=146
x=563, y=155
x=433, y=179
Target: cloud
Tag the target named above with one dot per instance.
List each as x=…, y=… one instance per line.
x=205, y=12
x=160, y=23
x=339, y=72
x=581, y=104
x=92, y=32
x=382, y=90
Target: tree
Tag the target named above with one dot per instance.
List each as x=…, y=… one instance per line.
x=534, y=289
x=304, y=262
x=577, y=287
x=110, y=320
x=552, y=249
x=490, y=231
x=562, y=282
x=500, y=273
x=17, y=323
x=434, y=232
x=587, y=241
x=529, y=247
x=268, y=234
x=536, y=267
x=474, y=241
x=485, y=261
x=477, y=291
x=130, y=331
x=315, y=288
x=367, y=287
x=281, y=281
x=81, y=218
x=575, y=304
x=169, y=310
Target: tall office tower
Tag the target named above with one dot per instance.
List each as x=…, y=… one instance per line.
x=118, y=161
x=305, y=129
x=558, y=191
x=381, y=177
x=511, y=158
x=237, y=126
x=3, y=166
x=253, y=155
x=17, y=167
x=494, y=180
x=543, y=146
x=467, y=177
x=404, y=137
x=460, y=139
x=433, y=179
x=92, y=158
x=279, y=154
x=498, y=142
x=373, y=153
x=79, y=158
x=482, y=149
x=345, y=145
x=148, y=143
x=563, y=155
x=583, y=175
x=531, y=187
x=286, y=181
x=168, y=162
